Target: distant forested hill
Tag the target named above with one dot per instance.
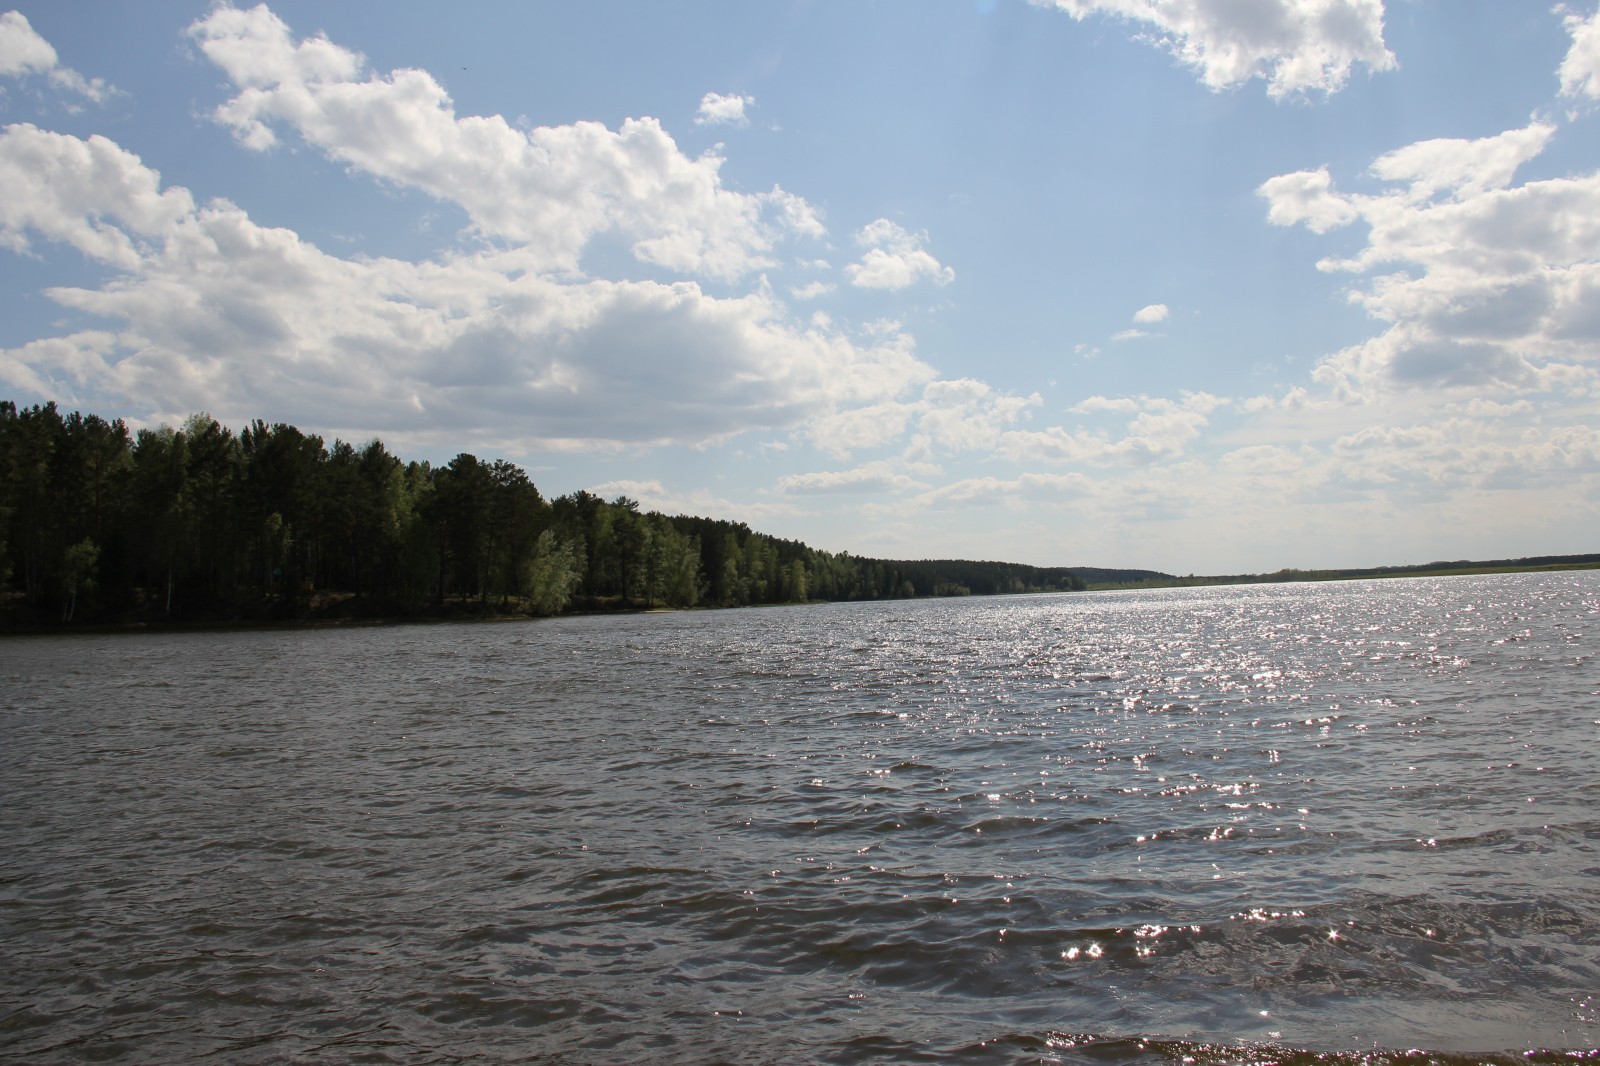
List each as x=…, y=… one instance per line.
x=1098, y=578
x=201, y=524
x=1095, y=575
x=1536, y=562
x=962, y=577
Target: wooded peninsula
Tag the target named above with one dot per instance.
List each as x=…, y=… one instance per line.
x=201, y=525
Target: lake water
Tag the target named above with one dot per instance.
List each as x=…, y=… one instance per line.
x=1294, y=823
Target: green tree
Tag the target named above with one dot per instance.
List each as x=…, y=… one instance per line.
x=671, y=563
x=797, y=582
x=282, y=471
x=28, y=442
x=419, y=572
x=96, y=454
x=77, y=574
x=584, y=518
x=276, y=546
x=458, y=510
x=680, y=567
x=625, y=547
x=760, y=568
x=728, y=583
x=551, y=573
x=160, y=507
x=212, y=477
x=517, y=513
x=381, y=508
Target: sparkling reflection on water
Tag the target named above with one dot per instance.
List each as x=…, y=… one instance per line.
x=1208, y=824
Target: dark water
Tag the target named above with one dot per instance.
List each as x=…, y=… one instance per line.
x=1306, y=823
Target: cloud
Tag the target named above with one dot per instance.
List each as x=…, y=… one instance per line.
x=882, y=476
x=1580, y=70
x=1462, y=453
x=844, y=432
x=950, y=417
x=811, y=290
x=992, y=490
x=719, y=110
x=1286, y=474
x=24, y=52
x=894, y=259
x=1482, y=282
x=1463, y=168
x=653, y=495
x=1298, y=46
x=507, y=344
x=1128, y=335
x=1098, y=404
x=551, y=190
x=49, y=367
x=966, y=415
x=219, y=313
x=1159, y=430
x=1306, y=196
x=533, y=334
x=90, y=194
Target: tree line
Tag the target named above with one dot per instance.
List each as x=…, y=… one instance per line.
x=200, y=524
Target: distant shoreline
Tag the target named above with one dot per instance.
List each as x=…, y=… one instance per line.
x=105, y=529
x=1463, y=568
x=455, y=614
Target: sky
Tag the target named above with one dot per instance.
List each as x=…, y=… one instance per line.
x=1200, y=286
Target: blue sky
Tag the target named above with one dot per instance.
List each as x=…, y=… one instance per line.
x=1182, y=284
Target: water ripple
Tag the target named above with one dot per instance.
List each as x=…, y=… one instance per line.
x=1288, y=824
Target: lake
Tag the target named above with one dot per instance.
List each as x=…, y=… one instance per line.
x=1278, y=823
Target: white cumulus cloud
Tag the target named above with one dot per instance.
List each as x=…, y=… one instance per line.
x=981, y=491
x=1580, y=70
x=24, y=52
x=895, y=259
x=1463, y=168
x=1151, y=314
x=1480, y=280
x=717, y=109
x=877, y=477
x=962, y=415
x=1306, y=196
x=90, y=194
x=1296, y=45
x=216, y=312
x=811, y=290
x=551, y=189
x=1160, y=430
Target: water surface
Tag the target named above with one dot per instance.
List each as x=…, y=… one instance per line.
x=1268, y=823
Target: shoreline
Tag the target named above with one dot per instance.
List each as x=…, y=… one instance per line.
x=463, y=615
x=1285, y=577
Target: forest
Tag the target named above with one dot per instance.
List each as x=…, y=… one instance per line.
x=203, y=525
